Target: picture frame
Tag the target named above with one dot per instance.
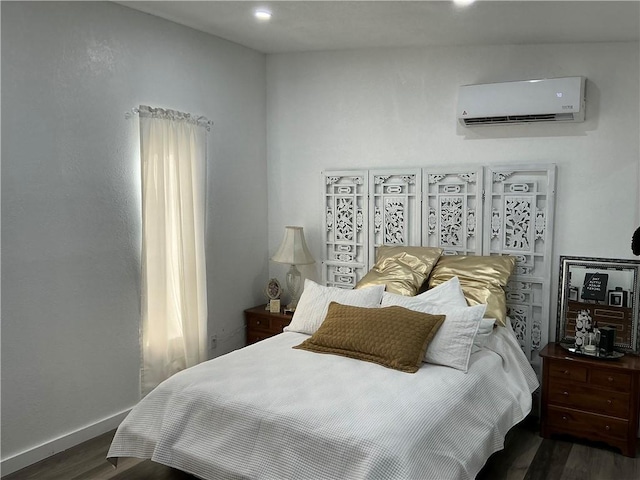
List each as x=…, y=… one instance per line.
x=594, y=287
x=273, y=290
x=618, y=298
x=613, y=298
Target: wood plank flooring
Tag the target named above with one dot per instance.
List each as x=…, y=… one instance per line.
x=526, y=456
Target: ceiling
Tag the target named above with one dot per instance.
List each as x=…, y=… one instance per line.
x=298, y=26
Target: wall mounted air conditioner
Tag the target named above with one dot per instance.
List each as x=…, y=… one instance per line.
x=545, y=100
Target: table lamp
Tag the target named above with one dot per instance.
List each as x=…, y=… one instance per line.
x=293, y=250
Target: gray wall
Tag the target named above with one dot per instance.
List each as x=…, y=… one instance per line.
x=71, y=204
x=380, y=108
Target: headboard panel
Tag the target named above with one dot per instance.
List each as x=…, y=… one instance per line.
x=492, y=210
x=518, y=218
x=346, y=227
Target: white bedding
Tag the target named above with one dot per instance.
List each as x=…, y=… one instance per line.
x=271, y=412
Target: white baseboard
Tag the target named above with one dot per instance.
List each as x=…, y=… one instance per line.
x=60, y=444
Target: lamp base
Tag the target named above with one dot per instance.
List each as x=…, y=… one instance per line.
x=294, y=282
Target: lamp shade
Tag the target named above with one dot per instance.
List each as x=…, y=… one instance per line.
x=293, y=249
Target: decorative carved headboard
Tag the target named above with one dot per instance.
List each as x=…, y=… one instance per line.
x=490, y=210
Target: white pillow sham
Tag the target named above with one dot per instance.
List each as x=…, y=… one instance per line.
x=453, y=342
x=449, y=293
x=315, y=299
x=484, y=331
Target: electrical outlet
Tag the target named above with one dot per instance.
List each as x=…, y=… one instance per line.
x=214, y=342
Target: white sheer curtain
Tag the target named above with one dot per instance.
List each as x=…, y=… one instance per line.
x=174, y=303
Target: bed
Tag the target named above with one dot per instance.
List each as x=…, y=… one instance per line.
x=272, y=411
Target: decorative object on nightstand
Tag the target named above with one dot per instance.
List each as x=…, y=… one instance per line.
x=261, y=323
x=588, y=398
x=293, y=250
x=607, y=339
x=273, y=292
x=591, y=342
x=583, y=325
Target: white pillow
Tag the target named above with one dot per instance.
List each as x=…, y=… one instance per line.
x=449, y=292
x=484, y=331
x=314, y=303
x=453, y=341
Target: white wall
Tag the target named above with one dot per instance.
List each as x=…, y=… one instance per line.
x=396, y=107
x=71, y=205
x=70, y=201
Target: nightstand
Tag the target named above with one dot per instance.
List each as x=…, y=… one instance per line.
x=261, y=323
x=588, y=398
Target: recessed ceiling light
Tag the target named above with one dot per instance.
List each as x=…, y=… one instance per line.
x=463, y=3
x=262, y=14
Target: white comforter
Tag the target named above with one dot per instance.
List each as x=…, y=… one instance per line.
x=271, y=412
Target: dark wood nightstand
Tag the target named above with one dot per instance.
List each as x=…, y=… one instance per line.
x=261, y=323
x=594, y=399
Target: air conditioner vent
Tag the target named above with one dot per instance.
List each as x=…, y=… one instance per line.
x=548, y=117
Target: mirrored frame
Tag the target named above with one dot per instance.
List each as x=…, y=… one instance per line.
x=609, y=289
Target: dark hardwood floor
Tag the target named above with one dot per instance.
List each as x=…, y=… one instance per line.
x=526, y=456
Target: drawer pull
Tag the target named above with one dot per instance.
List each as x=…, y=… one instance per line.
x=607, y=428
x=258, y=322
x=565, y=393
x=610, y=379
x=609, y=402
x=567, y=372
x=564, y=417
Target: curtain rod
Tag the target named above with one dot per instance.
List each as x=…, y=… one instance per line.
x=147, y=111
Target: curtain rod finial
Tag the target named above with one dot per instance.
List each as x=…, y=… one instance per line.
x=134, y=111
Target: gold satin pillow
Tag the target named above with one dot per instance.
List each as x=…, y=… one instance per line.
x=482, y=279
x=402, y=269
x=394, y=337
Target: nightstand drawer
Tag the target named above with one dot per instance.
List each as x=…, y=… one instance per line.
x=587, y=424
x=582, y=397
x=619, y=381
x=255, y=336
x=259, y=323
x=266, y=324
x=568, y=371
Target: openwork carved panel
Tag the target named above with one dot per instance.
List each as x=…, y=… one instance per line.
x=452, y=221
x=394, y=221
x=395, y=206
x=519, y=316
x=345, y=218
x=451, y=200
x=518, y=222
x=525, y=308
